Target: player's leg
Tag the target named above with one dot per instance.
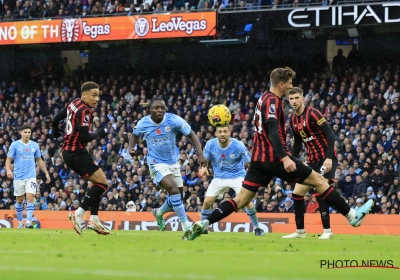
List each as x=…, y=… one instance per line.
x=236, y=185
x=299, y=211
x=99, y=187
x=215, y=189
x=30, y=191
x=158, y=172
x=332, y=197
x=174, y=199
x=19, y=192
x=256, y=174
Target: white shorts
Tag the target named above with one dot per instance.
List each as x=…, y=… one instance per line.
x=24, y=186
x=219, y=186
x=160, y=170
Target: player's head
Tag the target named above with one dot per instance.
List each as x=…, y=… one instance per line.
x=222, y=133
x=281, y=79
x=25, y=131
x=157, y=109
x=90, y=94
x=296, y=98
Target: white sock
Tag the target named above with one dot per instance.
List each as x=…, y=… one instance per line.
x=79, y=212
x=94, y=218
x=186, y=225
x=301, y=231
x=328, y=230
x=352, y=214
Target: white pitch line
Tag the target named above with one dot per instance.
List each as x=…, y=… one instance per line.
x=130, y=274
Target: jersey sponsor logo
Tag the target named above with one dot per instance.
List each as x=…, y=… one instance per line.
x=167, y=129
x=304, y=136
x=321, y=121
x=158, y=131
x=272, y=109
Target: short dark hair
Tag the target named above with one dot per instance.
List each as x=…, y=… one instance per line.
x=281, y=75
x=89, y=86
x=25, y=126
x=296, y=90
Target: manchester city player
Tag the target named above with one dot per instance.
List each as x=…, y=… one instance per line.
x=159, y=130
x=228, y=157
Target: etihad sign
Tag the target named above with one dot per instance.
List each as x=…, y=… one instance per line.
x=353, y=15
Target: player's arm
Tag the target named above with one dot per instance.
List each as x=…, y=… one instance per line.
x=134, y=139
x=8, y=167
x=83, y=127
x=297, y=144
x=62, y=114
x=199, y=151
x=273, y=136
x=320, y=121
x=42, y=167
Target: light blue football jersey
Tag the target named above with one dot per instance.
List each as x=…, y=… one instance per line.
x=161, y=137
x=24, y=156
x=227, y=163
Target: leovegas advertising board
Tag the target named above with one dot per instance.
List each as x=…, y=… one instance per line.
x=237, y=222
x=108, y=28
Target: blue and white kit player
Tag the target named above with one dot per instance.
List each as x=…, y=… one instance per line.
x=227, y=156
x=24, y=152
x=159, y=130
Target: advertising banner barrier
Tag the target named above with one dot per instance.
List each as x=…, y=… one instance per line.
x=237, y=222
x=108, y=28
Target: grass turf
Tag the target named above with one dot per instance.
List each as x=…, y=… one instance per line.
x=62, y=254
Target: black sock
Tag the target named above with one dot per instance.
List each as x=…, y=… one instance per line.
x=324, y=210
x=224, y=210
x=332, y=197
x=92, y=198
x=299, y=210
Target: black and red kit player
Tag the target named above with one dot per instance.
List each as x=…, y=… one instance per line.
x=310, y=127
x=271, y=159
x=78, y=121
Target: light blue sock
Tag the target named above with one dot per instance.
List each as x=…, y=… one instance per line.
x=177, y=205
x=205, y=213
x=166, y=207
x=29, y=211
x=19, y=208
x=253, y=216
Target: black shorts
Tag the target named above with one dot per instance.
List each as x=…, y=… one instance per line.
x=318, y=167
x=261, y=173
x=81, y=162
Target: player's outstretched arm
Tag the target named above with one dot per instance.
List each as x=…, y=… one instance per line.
x=86, y=137
x=57, y=119
x=199, y=151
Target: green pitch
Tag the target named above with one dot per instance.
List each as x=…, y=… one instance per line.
x=58, y=255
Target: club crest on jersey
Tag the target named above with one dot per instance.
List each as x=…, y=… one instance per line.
x=223, y=156
x=167, y=129
x=158, y=131
x=232, y=156
x=33, y=150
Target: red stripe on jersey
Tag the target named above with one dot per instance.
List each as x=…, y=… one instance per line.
x=269, y=107
x=78, y=114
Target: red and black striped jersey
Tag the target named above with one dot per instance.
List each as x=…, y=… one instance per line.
x=269, y=109
x=78, y=115
x=309, y=127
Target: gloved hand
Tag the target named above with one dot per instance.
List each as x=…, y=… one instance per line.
x=103, y=131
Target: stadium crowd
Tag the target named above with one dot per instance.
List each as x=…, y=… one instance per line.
x=15, y=10
x=361, y=103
